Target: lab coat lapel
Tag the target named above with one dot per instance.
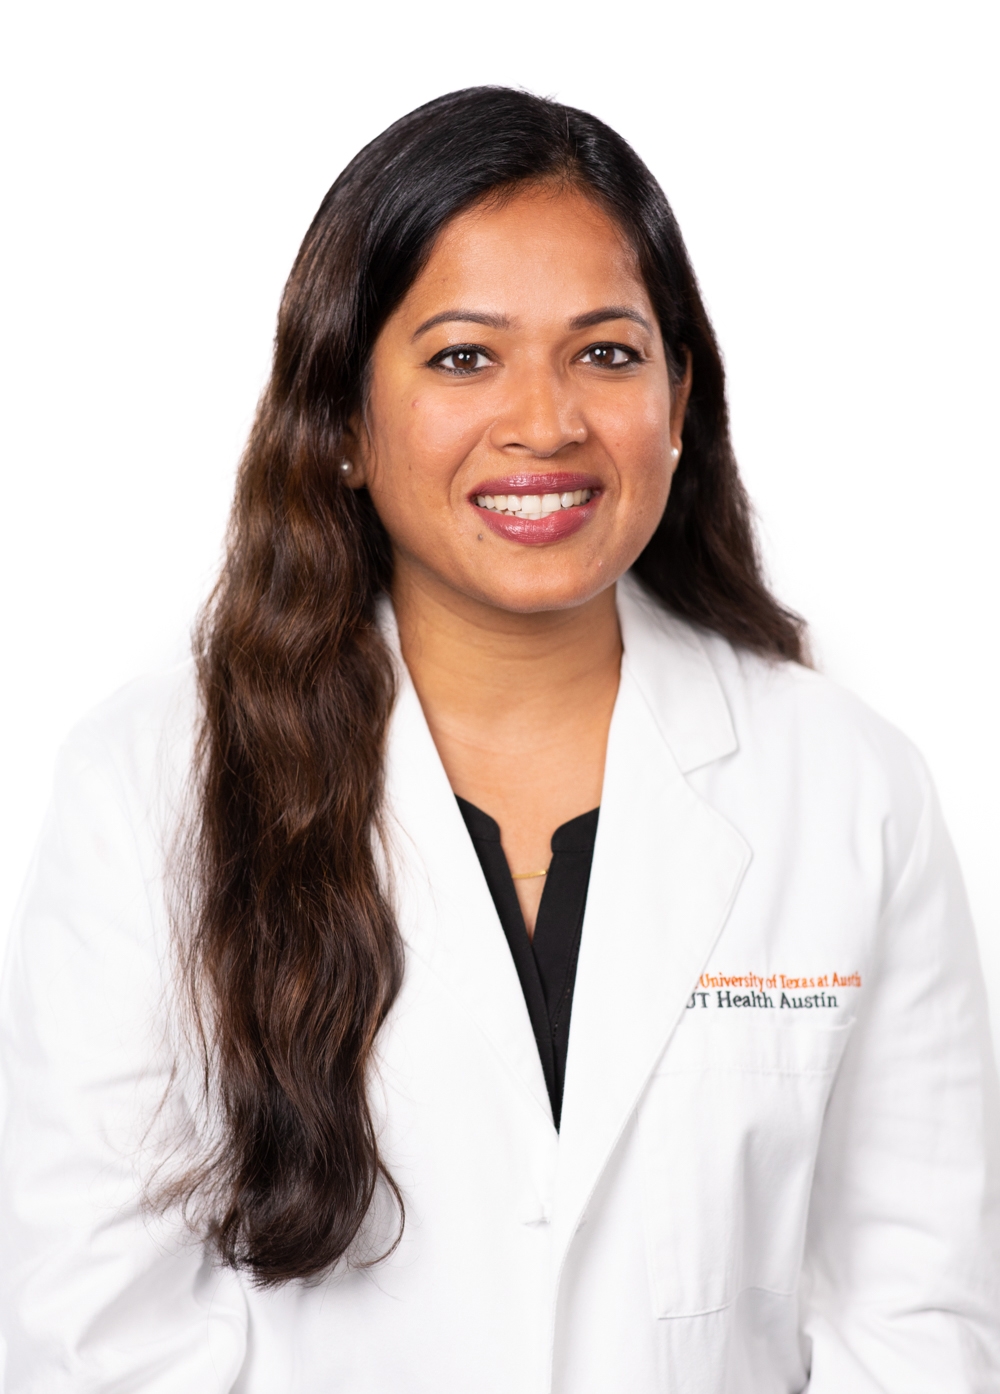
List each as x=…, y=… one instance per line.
x=665, y=873
x=445, y=912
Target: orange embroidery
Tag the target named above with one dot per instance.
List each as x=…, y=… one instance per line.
x=757, y=987
x=758, y=981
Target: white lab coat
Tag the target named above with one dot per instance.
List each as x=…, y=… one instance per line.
x=777, y=1168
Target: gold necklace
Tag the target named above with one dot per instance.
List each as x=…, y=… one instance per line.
x=528, y=875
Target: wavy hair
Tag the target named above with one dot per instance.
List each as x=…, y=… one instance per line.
x=291, y=953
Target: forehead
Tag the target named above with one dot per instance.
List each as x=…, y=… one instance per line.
x=543, y=252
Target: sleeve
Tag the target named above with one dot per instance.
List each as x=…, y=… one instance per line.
x=902, y=1263
x=95, y=1295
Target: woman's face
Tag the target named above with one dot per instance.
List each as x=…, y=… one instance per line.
x=519, y=436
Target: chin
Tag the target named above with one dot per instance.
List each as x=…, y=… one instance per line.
x=536, y=595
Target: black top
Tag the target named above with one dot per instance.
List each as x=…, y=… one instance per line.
x=546, y=964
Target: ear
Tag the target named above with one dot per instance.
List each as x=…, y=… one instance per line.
x=355, y=452
x=678, y=405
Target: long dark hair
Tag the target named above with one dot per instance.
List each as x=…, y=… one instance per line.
x=291, y=952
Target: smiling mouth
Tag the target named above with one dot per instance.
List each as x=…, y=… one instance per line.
x=533, y=505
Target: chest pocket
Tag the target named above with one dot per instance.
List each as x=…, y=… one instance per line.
x=728, y=1131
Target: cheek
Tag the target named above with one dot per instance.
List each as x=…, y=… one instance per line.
x=423, y=438
x=641, y=448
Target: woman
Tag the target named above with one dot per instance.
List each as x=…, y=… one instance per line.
x=569, y=989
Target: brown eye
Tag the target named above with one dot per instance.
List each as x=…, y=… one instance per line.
x=608, y=356
x=466, y=359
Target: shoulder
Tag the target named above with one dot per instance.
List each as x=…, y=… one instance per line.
x=138, y=743
x=821, y=760
x=755, y=705
x=93, y=914
x=779, y=705
x=771, y=737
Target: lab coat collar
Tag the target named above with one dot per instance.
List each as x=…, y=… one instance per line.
x=669, y=664
x=666, y=871
x=444, y=908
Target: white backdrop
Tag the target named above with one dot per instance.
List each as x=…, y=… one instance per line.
x=832, y=166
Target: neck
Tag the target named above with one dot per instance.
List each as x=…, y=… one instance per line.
x=477, y=668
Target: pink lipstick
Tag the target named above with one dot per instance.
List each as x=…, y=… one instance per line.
x=537, y=508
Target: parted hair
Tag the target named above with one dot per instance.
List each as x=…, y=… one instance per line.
x=291, y=957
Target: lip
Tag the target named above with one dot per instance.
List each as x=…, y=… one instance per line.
x=558, y=482
x=552, y=527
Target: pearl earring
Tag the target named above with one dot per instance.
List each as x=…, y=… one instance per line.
x=675, y=452
x=345, y=466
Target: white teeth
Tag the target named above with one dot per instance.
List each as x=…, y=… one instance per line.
x=533, y=505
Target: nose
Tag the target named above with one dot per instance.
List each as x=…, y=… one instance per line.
x=541, y=415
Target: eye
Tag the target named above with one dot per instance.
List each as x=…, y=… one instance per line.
x=609, y=356
x=463, y=358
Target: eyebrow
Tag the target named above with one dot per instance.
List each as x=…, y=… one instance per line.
x=609, y=312
x=462, y=316
x=602, y=316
